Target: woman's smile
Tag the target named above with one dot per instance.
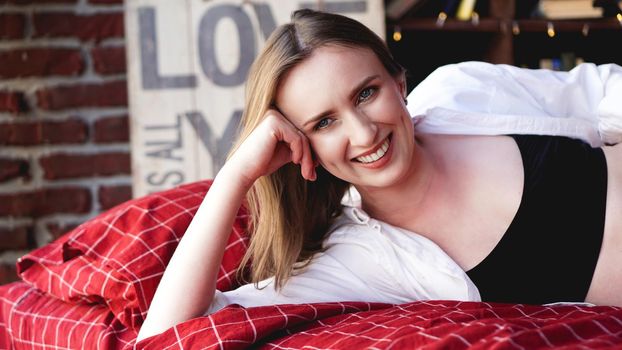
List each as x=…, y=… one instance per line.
x=377, y=157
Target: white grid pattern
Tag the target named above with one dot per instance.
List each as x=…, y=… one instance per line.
x=119, y=256
x=91, y=289
x=431, y=324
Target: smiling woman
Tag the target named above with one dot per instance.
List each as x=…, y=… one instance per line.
x=325, y=111
x=362, y=127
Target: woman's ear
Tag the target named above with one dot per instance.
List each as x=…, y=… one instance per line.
x=401, y=83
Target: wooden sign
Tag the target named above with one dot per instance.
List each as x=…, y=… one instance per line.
x=187, y=65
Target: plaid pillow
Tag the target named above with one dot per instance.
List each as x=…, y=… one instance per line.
x=118, y=257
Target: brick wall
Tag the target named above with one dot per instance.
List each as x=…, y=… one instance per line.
x=64, y=152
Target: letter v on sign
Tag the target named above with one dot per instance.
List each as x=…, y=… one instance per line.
x=217, y=147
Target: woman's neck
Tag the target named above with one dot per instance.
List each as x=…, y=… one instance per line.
x=402, y=204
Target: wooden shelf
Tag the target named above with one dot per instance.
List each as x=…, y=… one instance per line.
x=430, y=24
x=426, y=45
x=575, y=25
x=492, y=25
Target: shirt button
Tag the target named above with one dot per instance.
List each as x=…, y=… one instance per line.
x=359, y=216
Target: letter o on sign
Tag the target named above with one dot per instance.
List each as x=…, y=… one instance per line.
x=207, y=53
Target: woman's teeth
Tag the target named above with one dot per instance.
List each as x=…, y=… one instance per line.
x=376, y=155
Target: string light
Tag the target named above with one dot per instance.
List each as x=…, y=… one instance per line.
x=619, y=17
x=515, y=28
x=550, y=29
x=440, y=20
x=585, y=30
x=397, y=33
x=475, y=18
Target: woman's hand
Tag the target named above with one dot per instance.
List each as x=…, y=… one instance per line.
x=274, y=143
x=189, y=282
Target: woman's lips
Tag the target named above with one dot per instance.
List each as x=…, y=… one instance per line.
x=377, y=157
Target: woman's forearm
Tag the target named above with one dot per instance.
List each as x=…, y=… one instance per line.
x=188, y=284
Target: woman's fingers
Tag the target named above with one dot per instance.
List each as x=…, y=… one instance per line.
x=292, y=137
x=307, y=165
x=276, y=143
x=298, y=144
x=301, y=153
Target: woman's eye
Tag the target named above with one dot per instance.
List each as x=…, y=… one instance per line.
x=323, y=123
x=366, y=94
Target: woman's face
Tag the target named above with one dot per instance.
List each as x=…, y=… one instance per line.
x=353, y=113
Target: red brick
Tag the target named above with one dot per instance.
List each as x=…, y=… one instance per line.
x=12, y=26
x=57, y=230
x=13, y=168
x=109, y=196
x=85, y=27
x=8, y=273
x=43, y=132
x=13, y=102
x=63, y=166
x=112, y=129
x=37, y=2
x=17, y=238
x=45, y=202
x=108, y=94
x=40, y=62
x=105, y=2
x=109, y=60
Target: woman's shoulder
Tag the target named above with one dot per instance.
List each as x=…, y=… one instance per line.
x=471, y=153
x=460, y=141
x=384, y=241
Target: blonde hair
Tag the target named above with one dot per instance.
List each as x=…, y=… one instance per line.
x=291, y=216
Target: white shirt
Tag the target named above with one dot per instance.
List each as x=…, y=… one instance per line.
x=477, y=98
x=369, y=260
x=364, y=260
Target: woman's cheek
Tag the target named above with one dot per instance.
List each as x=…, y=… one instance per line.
x=328, y=146
x=383, y=108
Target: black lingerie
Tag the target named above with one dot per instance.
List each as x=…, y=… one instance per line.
x=550, y=251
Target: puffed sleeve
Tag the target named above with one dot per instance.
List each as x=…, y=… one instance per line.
x=344, y=271
x=484, y=98
x=361, y=262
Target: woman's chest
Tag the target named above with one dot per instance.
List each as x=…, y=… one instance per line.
x=480, y=201
x=613, y=221
x=607, y=274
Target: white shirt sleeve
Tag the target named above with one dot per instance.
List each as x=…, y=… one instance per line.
x=343, y=272
x=366, y=261
x=481, y=98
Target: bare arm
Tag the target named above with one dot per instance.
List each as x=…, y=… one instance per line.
x=189, y=282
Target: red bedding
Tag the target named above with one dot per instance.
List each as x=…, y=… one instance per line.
x=29, y=319
x=91, y=290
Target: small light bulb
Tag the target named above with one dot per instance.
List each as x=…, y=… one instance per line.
x=397, y=34
x=550, y=30
x=515, y=28
x=475, y=18
x=440, y=20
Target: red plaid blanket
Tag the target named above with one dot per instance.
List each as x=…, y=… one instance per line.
x=91, y=289
x=30, y=319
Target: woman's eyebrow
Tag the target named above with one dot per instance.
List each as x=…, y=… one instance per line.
x=353, y=92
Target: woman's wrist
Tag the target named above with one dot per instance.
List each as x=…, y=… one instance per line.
x=234, y=176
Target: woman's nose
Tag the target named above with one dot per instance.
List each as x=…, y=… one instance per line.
x=362, y=129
